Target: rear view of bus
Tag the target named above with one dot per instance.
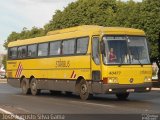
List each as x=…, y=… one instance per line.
x=125, y=62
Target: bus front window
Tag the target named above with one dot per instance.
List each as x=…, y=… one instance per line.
x=125, y=50
x=138, y=50
x=116, y=51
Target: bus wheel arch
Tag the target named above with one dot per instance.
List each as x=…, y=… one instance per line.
x=82, y=88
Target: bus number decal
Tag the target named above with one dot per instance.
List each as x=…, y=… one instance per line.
x=115, y=72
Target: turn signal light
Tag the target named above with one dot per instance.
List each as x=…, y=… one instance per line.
x=105, y=80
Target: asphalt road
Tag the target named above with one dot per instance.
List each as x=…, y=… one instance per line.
x=13, y=101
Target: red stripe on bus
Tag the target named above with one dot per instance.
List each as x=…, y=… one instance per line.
x=20, y=70
x=72, y=74
x=17, y=70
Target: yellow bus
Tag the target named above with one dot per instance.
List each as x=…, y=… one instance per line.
x=85, y=60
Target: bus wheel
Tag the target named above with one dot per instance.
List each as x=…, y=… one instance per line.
x=33, y=86
x=83, y=90
x=122, y=96
x=25, y=87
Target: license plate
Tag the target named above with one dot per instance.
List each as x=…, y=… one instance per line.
x=130, y=90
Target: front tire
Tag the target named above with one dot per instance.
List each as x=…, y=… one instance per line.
x=25, y=87
x=33, y=86
x=83, y=90
x=122, y=96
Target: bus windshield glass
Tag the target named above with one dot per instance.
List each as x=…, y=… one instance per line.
x=125, y=50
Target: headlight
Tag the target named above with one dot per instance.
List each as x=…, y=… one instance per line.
x=113, y=80
x=147, y=79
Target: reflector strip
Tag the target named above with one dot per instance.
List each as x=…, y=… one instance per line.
x=19, y=70
x=73, y=75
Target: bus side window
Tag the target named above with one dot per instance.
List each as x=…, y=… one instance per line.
x=43, y=49
x=55, y=48
x=32, y=50
x=82, y=45
x=22, y=51
x=95, y=50
x=68, y=47
x=12, y=53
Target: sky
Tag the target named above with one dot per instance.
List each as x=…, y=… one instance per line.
x=17, y=14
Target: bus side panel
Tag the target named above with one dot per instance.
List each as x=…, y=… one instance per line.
x=55, y=73
x=59, y=85
x=58, y=68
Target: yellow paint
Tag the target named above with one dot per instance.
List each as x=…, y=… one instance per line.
x=127, y=72
x=81, y=65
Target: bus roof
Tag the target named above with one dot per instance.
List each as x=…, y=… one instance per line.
x=79, y=31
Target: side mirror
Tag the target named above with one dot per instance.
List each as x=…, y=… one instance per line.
x=102, y=47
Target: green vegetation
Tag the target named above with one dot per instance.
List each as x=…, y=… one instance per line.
x=4, y=61
x=144, y=15
x=24, y=34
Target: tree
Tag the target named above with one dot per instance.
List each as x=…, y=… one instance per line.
x=4, y=61
x=82, y=12
x=142, y=15
x=150, y=23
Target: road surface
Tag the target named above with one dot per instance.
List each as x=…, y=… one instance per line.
x=139, y=104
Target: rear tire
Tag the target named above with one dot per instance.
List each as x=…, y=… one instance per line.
x=122, y=96
x=33, y=86
x=25, y=87
x=83, y=90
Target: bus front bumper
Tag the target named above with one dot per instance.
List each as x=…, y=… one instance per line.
x=119, y=88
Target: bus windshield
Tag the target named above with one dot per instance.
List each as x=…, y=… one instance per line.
x=125, y=50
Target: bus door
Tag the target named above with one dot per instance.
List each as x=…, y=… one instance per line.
x=96, y=65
